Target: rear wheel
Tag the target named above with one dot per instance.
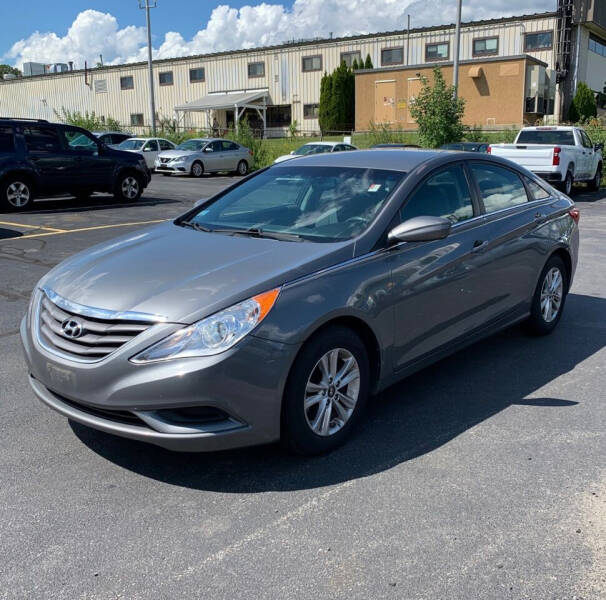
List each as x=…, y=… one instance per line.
x=128, y=188
x=242, y=167
x=326, y=392
x=596, y=182
x=17, y=193
x=549, y=297
x=197, y=169
x=566, y=185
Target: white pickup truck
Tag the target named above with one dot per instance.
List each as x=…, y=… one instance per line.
x=561, y=155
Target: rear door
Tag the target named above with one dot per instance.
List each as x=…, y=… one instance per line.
x=439, y=286
x=513, y=212
x=55, y=166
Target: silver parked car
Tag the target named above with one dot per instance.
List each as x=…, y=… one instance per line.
x=278, y=307
x=205, y=155
x=148, y=148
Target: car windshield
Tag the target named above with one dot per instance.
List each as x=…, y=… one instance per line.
x=192, y=145
x=322, y=204
x=313, y=149
x=544, y=136
x=131, y=145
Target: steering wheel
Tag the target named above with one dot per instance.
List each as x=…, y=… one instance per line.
x=353, y=220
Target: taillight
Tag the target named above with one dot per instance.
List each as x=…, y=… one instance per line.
x=556, y=156
x=489, y=150
x=575, y=213
x=250, y=152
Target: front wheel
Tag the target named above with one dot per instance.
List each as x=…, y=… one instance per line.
x=197, y=170
x=596, y=182
x=17, y=194
x=326, y=392
x=128, y=188
x=549, y=298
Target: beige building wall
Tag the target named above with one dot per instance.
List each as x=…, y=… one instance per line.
x=493, y=92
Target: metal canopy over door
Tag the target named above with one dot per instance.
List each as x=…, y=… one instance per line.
x=385, y=101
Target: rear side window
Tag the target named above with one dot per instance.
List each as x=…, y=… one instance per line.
x=445, y=194
x=546, y=136
x=499, y=188
x=229, y=146
x=41, y=139
x=538, y=192
x=7, y=139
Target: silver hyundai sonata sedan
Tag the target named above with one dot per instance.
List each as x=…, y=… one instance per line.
x=275, y=309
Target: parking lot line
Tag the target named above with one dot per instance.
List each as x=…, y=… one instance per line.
x=64, y=231
x=31, y=226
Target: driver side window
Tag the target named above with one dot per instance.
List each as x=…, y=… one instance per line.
x=77, y=141
x=443, y=194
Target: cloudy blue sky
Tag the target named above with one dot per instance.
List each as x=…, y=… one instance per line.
x=79, y=30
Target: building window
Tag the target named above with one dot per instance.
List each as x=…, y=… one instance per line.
x=312, y=63
x=438, y=51
x=136, y=119
x=597, y=45
x=166, y=78
x=486, y=46
x=196, y=75
x=540, y=40
x=127, y=83
x=349, y=57
x=311, y=111
x=256, y=69
x=392, y=56
x=100, y=86
x=278, y=116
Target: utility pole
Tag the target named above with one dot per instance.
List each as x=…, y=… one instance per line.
x=147, y=4
x=408, y=43
x=457, y=45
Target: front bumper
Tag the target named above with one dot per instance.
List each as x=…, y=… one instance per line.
x=133, y=401
x=176, y=169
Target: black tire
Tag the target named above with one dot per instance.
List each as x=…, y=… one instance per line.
x=297, y=433
x=242, y=168
x=566, y=185
x=595, y=183
x=16, y=194
x=197, y=169
x=128, y=187
x=537, y=323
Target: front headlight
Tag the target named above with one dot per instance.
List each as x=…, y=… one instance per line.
x=212, y=335
x=178, y=159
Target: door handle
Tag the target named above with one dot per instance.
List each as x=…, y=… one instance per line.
x=539, y=216
x=479, y=245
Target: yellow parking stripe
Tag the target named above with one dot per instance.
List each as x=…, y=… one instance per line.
x=64, y=231
x=31, y=226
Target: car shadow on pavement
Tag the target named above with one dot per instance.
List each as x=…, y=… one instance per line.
x=70, y=204
x=409, y=419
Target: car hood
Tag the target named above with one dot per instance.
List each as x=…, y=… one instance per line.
x=183, y=274
x=176, y=153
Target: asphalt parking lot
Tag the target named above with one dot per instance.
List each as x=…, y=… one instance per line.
x=483, y=476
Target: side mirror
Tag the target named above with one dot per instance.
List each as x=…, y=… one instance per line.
x=200, y=201
x=208, y=149
x=292, y=152
x=420, y=229
x=599, y=146
x=147, y=150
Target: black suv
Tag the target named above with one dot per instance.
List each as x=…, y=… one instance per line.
x=38, y=158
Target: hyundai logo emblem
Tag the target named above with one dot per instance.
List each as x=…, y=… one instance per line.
x=72, y=328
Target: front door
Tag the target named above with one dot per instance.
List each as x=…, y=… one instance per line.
x=214, y=159
x=438, y=286
x=150, y=152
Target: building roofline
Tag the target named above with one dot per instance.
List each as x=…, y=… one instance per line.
x=295, y=44
x=449, y=63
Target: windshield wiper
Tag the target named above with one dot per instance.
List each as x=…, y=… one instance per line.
x=259, y=233
x=196, y=226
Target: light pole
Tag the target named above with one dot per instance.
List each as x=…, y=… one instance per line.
x=147, y=4
x=457, y=45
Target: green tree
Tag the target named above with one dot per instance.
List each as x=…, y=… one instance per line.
x=354, y=65
x=4, y=69
x=583, y=105
x=437, y=112
x=86, y=120
x=368, y=62
x=337, y=100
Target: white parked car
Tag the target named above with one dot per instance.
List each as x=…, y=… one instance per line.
x=560, y=155
x=148, y=148
x=315, y=148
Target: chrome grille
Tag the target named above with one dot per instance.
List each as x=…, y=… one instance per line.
x=97, y=337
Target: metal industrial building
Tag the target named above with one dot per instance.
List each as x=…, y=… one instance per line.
x=281, y=84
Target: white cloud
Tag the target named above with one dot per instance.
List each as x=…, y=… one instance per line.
x=93, y=32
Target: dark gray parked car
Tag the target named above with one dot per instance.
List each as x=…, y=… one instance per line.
x=276, y=308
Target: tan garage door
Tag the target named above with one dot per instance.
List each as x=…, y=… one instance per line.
x=385, y=101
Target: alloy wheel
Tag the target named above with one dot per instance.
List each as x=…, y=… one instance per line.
x=130, y=187
x=197, y=169
x=332, y=392
x=18, y=194
x=551, y=294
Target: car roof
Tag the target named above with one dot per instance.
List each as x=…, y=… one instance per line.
x=377, y=158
